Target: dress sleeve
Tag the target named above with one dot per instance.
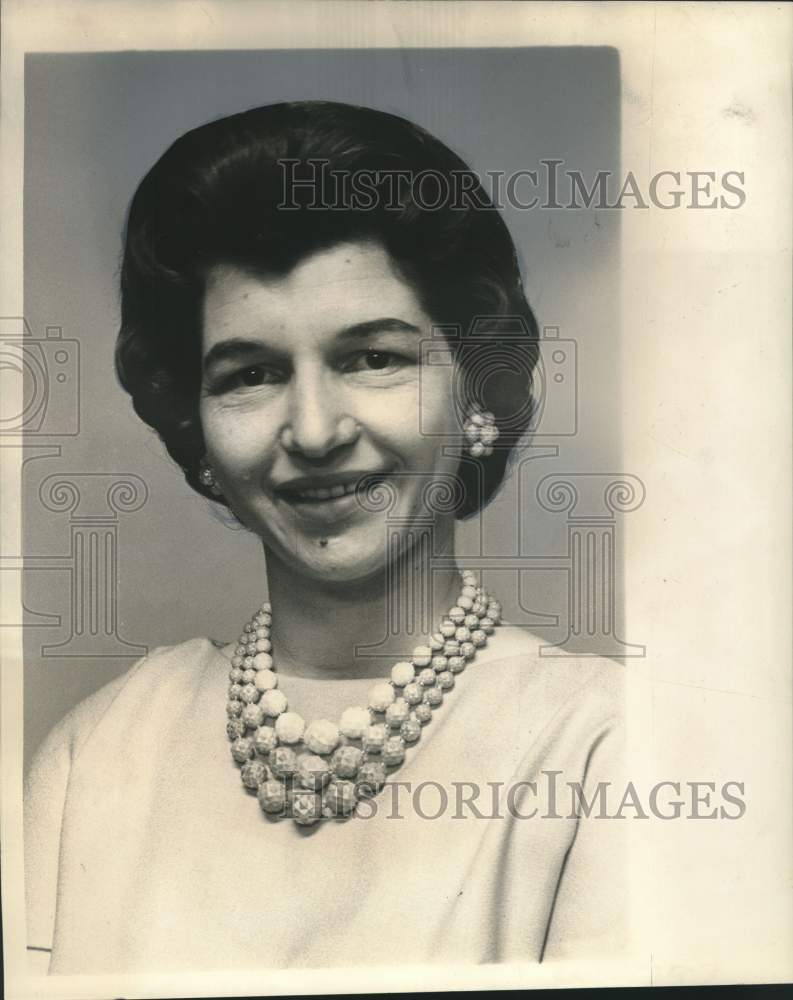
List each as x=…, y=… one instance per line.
x=45, y=795
x=591, y=909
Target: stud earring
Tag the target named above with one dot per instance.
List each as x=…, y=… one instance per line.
x=207, y=477
x=481, y=433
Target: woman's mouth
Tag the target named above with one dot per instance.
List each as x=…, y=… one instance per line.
x=331, y=502
x=324, y=492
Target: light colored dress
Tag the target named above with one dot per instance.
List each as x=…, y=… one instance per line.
x=144, y=853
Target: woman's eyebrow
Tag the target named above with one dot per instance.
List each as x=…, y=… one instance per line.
x=385, y=324
x=233, y=349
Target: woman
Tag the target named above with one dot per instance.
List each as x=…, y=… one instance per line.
x=283, y=275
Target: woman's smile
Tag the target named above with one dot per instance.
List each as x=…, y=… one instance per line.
x=327, y=500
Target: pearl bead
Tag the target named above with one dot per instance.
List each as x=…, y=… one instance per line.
x=250, y=694
x=289, y=727
x=439, y=663
x=467, y=650
x=262, y=661
x=433, y=697
x=235, y=728
x=236, y=661
x=410, y=730
x=471, y=621
x=452, y=648
x=468, y=591
x=446, y=680
x=235, y=692
x=306, y=808
x=247, y=628
x=371, y=778
x=436, y=642
x=312, y=772
x=393, y=751
x=346, y=761
x=465, y=603
x=263, y=632
x=248, y=676
x=487, y=625
x=421, y=656
x=264, y=740
x=247, y=663
x=322, y=736
x=340, y=798
x=273, y=702
x=265, y=679
x=448, y=629
x=253, y=716
x=253, y=773
x=477, y=418
x=457, y=615
x=396, y=713
x=402, y=673
x=283, y=762
x=423, y=713
x=353, y=722
x=234, y=709
x=380, y=697
x=456, y=664
x=478, y=609
x=477, y=449
x=478, y=637
x=463, y=634
x=427, y=677
x=272, y=797
x=374, y=737
x=242, y=749
x=413, y=693
x=263, y=646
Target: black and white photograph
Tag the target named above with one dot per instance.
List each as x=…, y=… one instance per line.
x=396, y=456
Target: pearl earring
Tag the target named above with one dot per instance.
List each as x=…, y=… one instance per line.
x=481, y=433
x=207, y=477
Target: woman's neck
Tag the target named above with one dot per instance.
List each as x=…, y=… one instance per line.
x=358, y=628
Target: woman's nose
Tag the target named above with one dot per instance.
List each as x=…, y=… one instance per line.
x=316, y=421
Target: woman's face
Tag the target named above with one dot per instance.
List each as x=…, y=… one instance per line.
x=310, y=381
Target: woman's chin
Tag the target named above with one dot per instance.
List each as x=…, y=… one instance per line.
x=332, y=558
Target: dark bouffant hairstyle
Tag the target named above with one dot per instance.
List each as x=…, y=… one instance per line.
x=214, y=196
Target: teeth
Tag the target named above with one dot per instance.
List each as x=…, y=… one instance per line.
x=327, y=493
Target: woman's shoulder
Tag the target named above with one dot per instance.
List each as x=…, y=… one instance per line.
x=555, y=679
x=171, y=666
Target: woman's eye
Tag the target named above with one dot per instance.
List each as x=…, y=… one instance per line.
x=248, y=378
x=251, y=376
x=374, y=361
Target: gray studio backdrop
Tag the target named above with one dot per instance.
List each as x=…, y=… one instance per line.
x=121, y=556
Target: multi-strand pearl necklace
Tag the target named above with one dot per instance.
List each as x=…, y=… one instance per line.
x=321, y=769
